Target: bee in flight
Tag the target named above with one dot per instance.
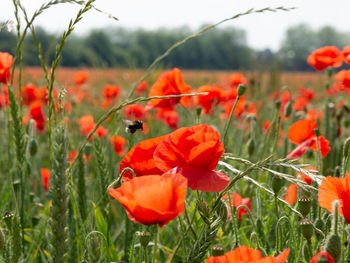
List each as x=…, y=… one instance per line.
x=133, y=126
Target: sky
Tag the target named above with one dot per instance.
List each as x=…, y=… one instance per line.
x=263, y=30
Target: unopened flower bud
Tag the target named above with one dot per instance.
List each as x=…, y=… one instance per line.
x=278, y=104
x=251, y=146
x=277, y=183
x=198, y=111
x=317, y=132
x=307, y=228
x=333, y=247
x=33, y=147
x=241, y=89
x=288, y=109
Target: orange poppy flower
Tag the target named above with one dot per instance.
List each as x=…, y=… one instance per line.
x=6, y=61
x=194, y=152
x=291, y=196
x=245, y=254
x=300, y=103
x=140, y=159
x=45, y=177
x=169, y=83
x=332, y=189
x=236, y=79
x=80, y=77
x=344, y=77
x=325, y=57
x=302, y=133
x=346, y=54
x=215, y=94
x=87, y=124
x=152, y=199
x=118, y=143
x=111, y=91
x=322, y=254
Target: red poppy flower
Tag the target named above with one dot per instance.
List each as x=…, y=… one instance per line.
x=325, y=57
x=242, y=106
x=141, y=87
x=306, y=93
x=300, y=103
x=134, y=111
x=140, y=159
x=80, y=77
x=236, y=79
x=118, y=143
x=245, y=254
x=322, y=254
x=45, y=177
x=152, y=199
x=37, y=114
x=346, y=54
x=332, y=189
x=237, y=200
x=111, y=91
x=29, y=93
x=169, y=83
x=302, y=133
x=169, y=116
x=6, y=61
x=344, y=77
x=87, y=125
x=215, y=94
x=193, y=152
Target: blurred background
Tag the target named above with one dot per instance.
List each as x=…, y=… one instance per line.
x=145, y=29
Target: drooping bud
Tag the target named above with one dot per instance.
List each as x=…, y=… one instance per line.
x=304, y=205
x=288, y=109
x=251, y=146
x=241, y=89
x=33, y=147
x=277, y=184
x=307, y=228
x=218, y=250
x=145, y=237
x=278, y=104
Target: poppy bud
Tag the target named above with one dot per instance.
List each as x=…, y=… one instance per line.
x=288, y=109
x=33, y=147
x=251, y=146
x=241, y=89
x=218, y=250
x=8, y=217
x=198, y=111
x=2, y=240
x=304, y=205
x=221, y=210
x=319, y=224
x=307, y=228
x=145, y=237
x=333, y=247
x=277, y=184
x=16, y=185
x=317, y=132
x=278, y=104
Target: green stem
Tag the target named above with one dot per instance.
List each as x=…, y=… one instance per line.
x=145, y=256
x=234, y=222
x=155, y=243
x=228, y=122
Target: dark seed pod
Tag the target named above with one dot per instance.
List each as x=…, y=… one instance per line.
x=145, y=237
x=304, y=205
x=218, y=250
x=33, y=147
x=277, y=183
x=307, y=228
x=333, y=247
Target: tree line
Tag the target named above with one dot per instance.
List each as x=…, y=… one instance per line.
x=221, y=48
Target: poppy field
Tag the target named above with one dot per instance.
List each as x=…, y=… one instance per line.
x=172, y=165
